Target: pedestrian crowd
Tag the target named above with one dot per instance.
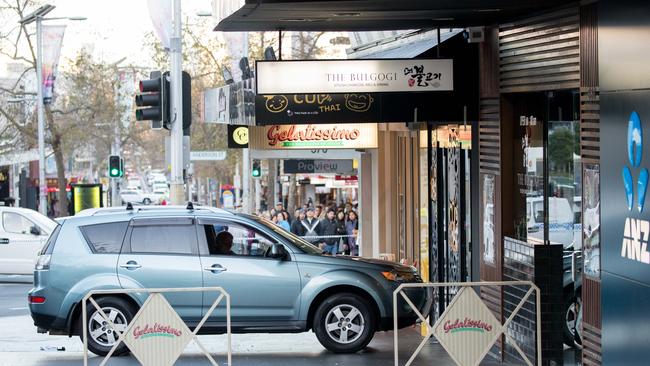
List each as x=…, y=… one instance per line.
x=333, y=228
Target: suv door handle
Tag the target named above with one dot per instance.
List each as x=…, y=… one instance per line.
x=131, y=265
x=216, y=268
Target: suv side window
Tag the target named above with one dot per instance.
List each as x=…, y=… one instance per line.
x=105, y=238
x=247, y=241
x=16, y=223
x=165, y=236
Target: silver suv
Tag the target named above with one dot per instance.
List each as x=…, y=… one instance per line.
x=277, y=281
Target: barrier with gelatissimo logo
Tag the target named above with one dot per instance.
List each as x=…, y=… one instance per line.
x=156, y=335
x=468, y=328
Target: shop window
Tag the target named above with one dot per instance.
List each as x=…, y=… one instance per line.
x=546, y=159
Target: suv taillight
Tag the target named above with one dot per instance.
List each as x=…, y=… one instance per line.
x=43, y=262
x=35, y=299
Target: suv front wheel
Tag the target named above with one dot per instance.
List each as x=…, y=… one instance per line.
x=344, y=323
x=101, y=337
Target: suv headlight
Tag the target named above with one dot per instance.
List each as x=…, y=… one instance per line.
x=399, y=276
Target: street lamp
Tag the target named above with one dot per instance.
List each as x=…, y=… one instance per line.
x=38, y=17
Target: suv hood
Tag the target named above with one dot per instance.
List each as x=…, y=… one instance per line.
x=357, y=262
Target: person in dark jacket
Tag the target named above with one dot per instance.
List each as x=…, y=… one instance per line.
x=312, y=226
x=340, y=230
x=352, y=230
x=329, y=229
x=296, y=226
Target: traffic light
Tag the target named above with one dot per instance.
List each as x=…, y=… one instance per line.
x=115, y=166
x=154, y=100
x=256, y=172
x=187, y=103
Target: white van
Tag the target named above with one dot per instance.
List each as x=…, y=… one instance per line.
x=561, y=218
x=23, y=232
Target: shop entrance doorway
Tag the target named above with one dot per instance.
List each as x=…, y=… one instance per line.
x=452, y=171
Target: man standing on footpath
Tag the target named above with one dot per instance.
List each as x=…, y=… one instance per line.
x=311, y=226
x=329, y=229
x=297, y=226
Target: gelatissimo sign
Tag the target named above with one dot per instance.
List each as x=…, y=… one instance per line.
x=466, y=325
x=156, y=330
x=346, y=136
x=354, y=76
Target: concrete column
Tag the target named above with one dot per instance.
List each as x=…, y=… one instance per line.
x=366, y=207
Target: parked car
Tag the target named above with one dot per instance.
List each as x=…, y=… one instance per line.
x=135, y=196
x=22, y=234
x=277, y=281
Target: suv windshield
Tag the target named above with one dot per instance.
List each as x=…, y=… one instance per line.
x=299, y=242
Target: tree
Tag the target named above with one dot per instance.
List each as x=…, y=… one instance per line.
x=88, y=106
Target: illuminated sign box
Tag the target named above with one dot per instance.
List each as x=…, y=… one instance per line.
x=354, y=76
x=307, y=137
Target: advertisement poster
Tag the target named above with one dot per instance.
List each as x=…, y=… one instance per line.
x=489, y=250
x=52, y=40
x=591, y=225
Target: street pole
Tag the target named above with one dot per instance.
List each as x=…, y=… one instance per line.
x=246, y=176
x=42, y=184
x=176, y=86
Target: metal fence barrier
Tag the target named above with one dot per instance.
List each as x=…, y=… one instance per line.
x=153, y=291
x=500, y=331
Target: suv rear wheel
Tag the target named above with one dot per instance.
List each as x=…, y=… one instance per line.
x=344, y=323
x=101, y=337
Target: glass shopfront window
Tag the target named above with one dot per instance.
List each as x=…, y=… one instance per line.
x=546, y=161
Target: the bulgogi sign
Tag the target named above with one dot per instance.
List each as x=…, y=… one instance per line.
x=354, y=76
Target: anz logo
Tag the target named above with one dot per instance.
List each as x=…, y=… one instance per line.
x=634, y=153
x=636, y=232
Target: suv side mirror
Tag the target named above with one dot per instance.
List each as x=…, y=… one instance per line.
x=34, y=230
x=278, y=252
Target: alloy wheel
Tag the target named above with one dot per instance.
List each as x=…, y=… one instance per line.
x=344, y=323
x=101, y=332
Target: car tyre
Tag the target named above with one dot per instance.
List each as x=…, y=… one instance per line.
x=122, y=311
x=146, y=201
x=344, y=323
x=571, y=304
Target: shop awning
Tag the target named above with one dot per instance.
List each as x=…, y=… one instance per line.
x=405, y=48
x=371, y=15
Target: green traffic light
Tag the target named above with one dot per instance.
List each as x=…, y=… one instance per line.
x=115, y=172
x=256, y=173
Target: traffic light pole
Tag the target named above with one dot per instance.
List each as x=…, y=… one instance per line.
x=176, y=85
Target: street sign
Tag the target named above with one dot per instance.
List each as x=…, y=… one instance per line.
x=158, y=335
x=467, y=329
x=207, y=155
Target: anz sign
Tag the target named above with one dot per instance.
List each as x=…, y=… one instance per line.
x=636, y=232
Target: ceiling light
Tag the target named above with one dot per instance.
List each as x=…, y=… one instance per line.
x=488, y=10
x=348, y=14
x=443, y=19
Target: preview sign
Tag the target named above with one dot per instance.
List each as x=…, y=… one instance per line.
x=311, y=166
x=322, y=136
x=354, y=76
x=467, y=329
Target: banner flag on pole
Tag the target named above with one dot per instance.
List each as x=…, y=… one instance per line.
x=52, y=42
x=161, y=17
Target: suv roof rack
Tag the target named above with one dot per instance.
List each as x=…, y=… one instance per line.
x=138, y=209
